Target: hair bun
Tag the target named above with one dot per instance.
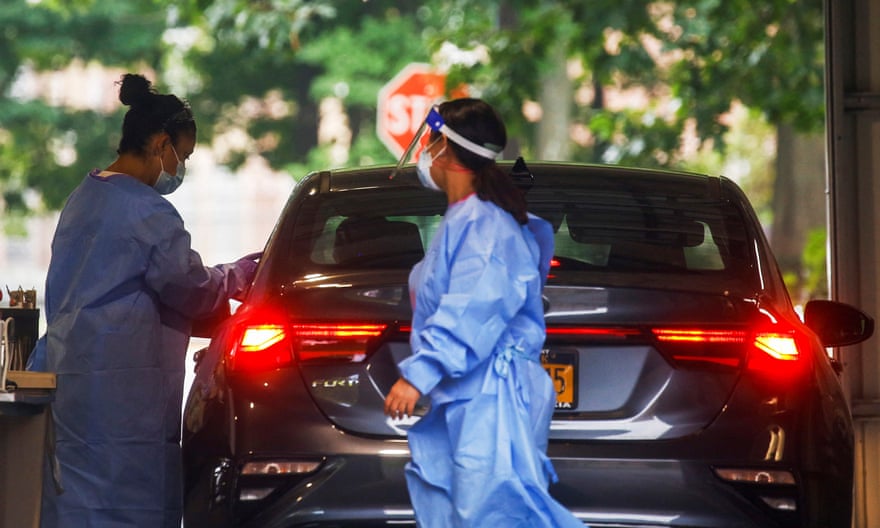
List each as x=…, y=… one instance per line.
x=135, y=90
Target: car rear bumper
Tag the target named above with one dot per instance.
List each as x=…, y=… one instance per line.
x=666, y=493
x=345, y=491
x=365, y=490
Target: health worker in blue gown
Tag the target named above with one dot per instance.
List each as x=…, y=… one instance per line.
x=122, y=290
x=479, y=453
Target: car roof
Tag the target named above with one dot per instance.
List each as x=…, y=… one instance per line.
x=545, y=173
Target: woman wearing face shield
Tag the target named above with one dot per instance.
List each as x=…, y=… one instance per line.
x=479, y=454
x=122, y=290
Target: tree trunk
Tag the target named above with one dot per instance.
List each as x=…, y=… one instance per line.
x=555, y=100
x=798, y=201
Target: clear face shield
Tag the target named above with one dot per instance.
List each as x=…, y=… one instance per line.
x=432, y=122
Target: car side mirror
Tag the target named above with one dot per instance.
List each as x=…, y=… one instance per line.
x=837, y=324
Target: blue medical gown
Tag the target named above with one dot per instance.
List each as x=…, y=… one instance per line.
x=479, y=454
x=122, y=287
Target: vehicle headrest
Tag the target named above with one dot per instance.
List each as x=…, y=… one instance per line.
x=377, y=242
x=633, y=225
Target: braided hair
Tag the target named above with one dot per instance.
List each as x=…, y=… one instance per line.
x=477, y=121
x=149, y=114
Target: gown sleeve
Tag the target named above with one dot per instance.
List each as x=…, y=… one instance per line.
x=488, y=271
x=176, y=273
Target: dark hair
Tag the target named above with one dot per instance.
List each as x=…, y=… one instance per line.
x=477, y=121
x=150, y=113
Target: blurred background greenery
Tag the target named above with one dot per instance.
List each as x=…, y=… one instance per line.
x=728, y=87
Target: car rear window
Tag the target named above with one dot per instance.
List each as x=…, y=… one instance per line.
x=370, y=228
x=373, y=240
x=663, y=233
x=639, y=227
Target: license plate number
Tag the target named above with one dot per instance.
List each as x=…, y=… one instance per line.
x=562, y=368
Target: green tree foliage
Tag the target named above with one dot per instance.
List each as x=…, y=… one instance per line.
x=48, y=36
x=769, y=55
x=263, y=67
x=304, y=51
x=694, y=57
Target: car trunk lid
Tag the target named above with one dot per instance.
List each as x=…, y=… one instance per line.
x=628, y=363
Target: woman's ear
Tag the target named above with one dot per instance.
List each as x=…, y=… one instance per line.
x=158, y=142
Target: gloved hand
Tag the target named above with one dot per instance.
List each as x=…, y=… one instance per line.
x=256, y=256
x=244, y=270
x=247, y=268
x=248, y=264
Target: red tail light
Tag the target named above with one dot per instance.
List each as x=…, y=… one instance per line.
x=776, y=352
x=592, y=332
x=695, y=346
x=700, y=336
x=260, y=337
x=777, y=345
x=347, y=342
x=260, y=346
x=773, y=351
x=264, y=345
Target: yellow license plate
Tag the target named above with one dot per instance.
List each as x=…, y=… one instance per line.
x=562, y=368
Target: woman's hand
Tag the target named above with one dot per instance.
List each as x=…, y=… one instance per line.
x=401, y=399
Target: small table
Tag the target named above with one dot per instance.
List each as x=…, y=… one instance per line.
x=24, y=417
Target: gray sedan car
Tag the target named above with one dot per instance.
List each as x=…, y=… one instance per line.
x=689, y=391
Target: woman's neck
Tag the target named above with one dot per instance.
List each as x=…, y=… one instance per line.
x=459, y=188
x=135, y=167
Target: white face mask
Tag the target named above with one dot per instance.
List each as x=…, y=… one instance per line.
x=168, y=183
x=423, y=169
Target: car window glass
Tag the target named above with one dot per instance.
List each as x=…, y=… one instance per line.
x=369, y=228
x=322, y=251
x=706, y=255
x=632, y=228
x=643, y=229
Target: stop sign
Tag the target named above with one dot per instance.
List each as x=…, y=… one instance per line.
x=404, y=103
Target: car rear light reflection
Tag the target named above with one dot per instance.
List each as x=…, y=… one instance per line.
x=773, y=487
x=780, y=503
x=260, y=478
x=254, y=494
x=280, y=467
x=756, y=476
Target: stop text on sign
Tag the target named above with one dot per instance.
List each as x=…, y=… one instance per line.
x=404, y=102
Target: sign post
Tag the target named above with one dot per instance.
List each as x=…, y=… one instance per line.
x=404, y=103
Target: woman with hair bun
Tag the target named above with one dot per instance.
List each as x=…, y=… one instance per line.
x=122, y=291
x=479, y=455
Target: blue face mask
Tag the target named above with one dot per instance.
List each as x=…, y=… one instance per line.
x=168, y=183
